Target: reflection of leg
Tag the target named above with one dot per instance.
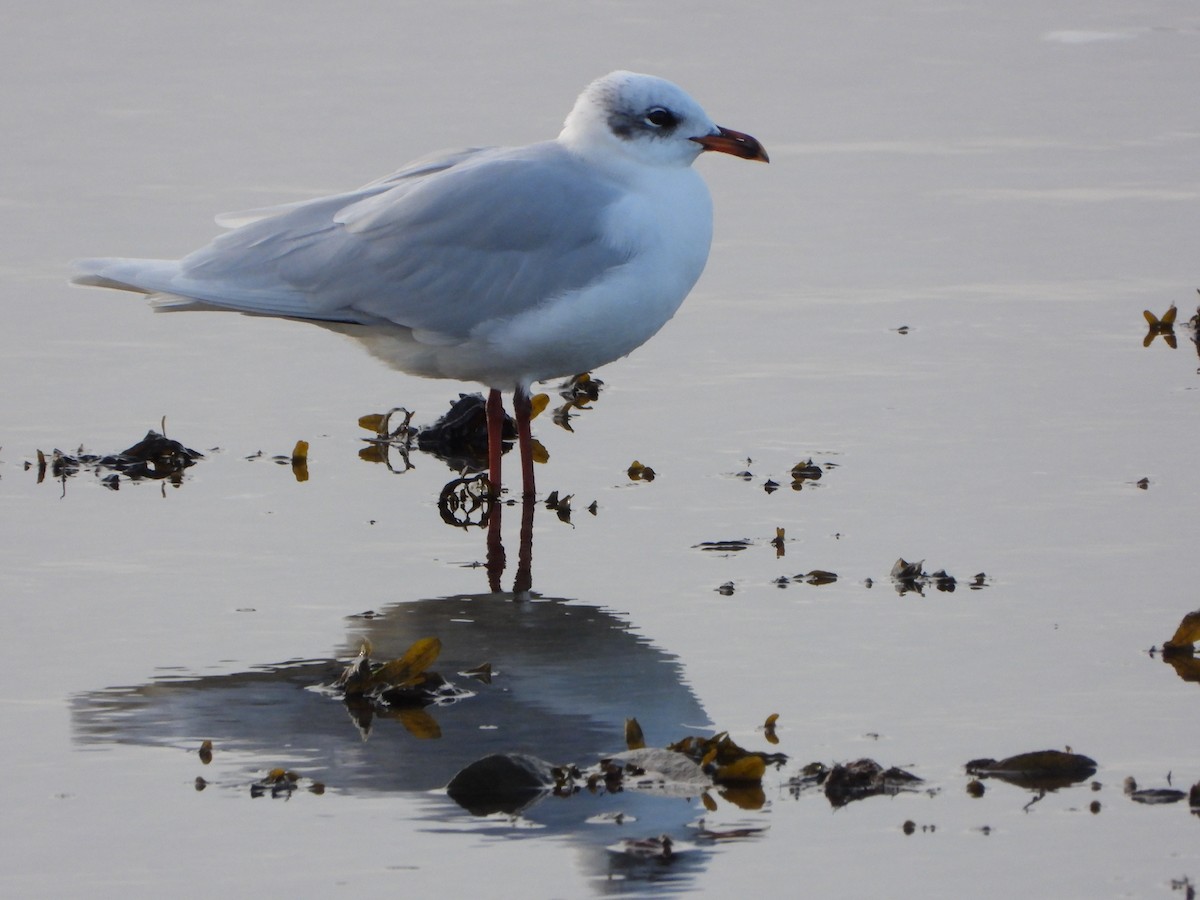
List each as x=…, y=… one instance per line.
x=522, y=408
x=495, y=546
x=495, y=435
x=524, y=577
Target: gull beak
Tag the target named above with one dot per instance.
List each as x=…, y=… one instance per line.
x=726, y=140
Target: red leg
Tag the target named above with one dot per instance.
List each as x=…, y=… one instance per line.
x=495, y=433
x=522, y=407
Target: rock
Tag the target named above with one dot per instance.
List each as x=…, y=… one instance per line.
x=502, y=782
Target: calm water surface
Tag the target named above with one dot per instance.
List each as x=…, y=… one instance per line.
x=935, y=292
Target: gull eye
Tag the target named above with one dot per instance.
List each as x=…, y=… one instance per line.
x=660, y=118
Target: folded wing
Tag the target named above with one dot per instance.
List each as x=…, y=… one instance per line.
x=442, y=245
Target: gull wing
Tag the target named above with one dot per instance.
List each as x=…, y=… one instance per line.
x=441, y=245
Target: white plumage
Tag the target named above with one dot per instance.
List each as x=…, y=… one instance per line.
x=503, y=266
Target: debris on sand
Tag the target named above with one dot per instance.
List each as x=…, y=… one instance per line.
x=1151, y=796
x=1045, y=770
x=1186, y=634
x=1180, y=651
x=459, y=437
x=578, y=393
x=691, y=767
x=725, y=760
x=400, y=688
x=1164, y=325
x=283, y=783
x=911, y=576
x=802, y=473
x=155, y=457
x=662, y=849
x=866, y=778
x=639, y=472
x=846, y=782
x=732, y=545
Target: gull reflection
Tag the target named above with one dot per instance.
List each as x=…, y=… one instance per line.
x=564, y=678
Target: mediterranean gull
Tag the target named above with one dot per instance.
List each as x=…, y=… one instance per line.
x=504, y=266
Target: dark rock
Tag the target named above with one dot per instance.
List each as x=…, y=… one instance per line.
x=503, y=782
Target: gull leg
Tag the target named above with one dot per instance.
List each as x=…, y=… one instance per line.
x=522, y=407
x=495, y=433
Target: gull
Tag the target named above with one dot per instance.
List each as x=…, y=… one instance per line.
x=499, y=265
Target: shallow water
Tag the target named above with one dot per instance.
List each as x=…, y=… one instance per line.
x=935, y=291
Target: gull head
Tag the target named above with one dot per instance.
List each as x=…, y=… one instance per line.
x=647, y=120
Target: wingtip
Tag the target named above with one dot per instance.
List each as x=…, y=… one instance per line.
x=86, y=272
x=102, y=272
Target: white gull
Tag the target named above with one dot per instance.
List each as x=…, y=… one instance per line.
x=504, y=266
